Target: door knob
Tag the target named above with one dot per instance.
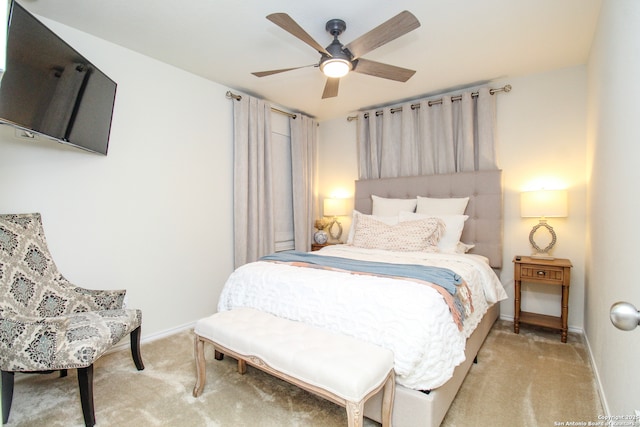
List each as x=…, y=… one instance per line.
x=624, y=316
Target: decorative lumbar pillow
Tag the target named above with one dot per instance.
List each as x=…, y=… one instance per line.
x=391, y=207
x=389, y=220
x=410, y=236
x=454, y=224
x=433, y=206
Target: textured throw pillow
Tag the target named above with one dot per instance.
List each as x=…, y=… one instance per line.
x=391, y=207
x=433, y=206
x=410, y=236
x=389, y=220
x=454, y=224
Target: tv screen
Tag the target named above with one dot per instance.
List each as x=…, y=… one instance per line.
x=48, y=88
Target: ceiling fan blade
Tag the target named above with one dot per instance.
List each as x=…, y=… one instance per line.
x=331, y=87
x=386, y=71
x=270, y=72
x=287, y=23
x=390, y=30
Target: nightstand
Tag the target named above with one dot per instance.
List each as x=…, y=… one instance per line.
x=554, y=272
x=318, y=246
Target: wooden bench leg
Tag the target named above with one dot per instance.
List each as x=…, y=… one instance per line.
x=242, y=367
x=355, y=413
x=387, y=399
x=201, y=367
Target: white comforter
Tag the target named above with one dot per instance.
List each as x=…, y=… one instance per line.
x=411, y=319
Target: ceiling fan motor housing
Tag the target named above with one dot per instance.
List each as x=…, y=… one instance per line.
x=335, y=27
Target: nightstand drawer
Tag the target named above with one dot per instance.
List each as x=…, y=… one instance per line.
x=545, y=273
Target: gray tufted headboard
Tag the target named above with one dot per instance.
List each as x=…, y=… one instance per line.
x=484, y=189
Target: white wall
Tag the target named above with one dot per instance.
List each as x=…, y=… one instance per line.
x=614, y=150
x=542, y=137
x=542, y=140
x=155, y=215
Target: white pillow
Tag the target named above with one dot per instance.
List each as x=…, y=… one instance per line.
x=409, y=236
x=391, y=207
x=389, y=220
x=454, y=224
x=432, y=206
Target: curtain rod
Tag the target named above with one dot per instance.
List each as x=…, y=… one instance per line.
x=232, y=95
x=505, y=88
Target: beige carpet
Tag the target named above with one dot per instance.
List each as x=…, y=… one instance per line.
x=530, y=379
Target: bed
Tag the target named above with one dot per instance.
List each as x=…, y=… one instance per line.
x=433, y=348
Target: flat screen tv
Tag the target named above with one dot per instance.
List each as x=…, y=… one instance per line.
x=50, y=89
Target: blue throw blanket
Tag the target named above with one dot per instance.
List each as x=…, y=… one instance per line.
x=443, y=277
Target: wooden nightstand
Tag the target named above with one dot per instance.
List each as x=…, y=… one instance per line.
x=318, y=246
x=555, y=272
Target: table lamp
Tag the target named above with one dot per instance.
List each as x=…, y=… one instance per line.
x=334, y=207
x=543, y=204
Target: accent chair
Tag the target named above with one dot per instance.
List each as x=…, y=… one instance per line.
x=46, y=323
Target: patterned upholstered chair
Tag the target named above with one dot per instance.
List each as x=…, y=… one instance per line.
x=46, y=323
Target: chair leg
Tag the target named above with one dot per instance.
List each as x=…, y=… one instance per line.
x=7, y=394
x=135, y=348
x=85, y=381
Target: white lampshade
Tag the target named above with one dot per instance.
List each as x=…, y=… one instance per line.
x=335, y=67
x=544, y=204
x=335, y=207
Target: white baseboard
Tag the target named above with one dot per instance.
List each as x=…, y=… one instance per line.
x=603, y=398
x=124, y=343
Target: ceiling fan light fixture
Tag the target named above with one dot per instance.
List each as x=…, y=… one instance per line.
x=337, y=60
x=336, y=67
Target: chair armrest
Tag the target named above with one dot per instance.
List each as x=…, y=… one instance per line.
x=100, y=299
x=83, y=299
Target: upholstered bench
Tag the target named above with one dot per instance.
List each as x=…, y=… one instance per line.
x=339, y=368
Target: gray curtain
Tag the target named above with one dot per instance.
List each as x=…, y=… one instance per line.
x=451, y=136
x=253, y=182
x=254, y=234
x=304, y=143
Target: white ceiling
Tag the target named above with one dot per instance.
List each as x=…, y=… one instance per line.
x=460, y=42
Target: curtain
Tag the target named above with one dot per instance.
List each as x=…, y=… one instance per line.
x=253, y=230
x=254, y=226
x=303, y=171
x=428, y=138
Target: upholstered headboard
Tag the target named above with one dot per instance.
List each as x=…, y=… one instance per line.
x=484, y=189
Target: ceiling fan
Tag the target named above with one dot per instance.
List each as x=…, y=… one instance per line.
x=337, y=60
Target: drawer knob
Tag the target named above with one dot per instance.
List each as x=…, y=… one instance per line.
x=541, y=272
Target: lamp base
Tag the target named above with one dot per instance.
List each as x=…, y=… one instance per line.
x=542, y=253
x=335, y=235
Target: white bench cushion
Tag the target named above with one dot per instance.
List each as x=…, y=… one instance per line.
x=345, y=366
